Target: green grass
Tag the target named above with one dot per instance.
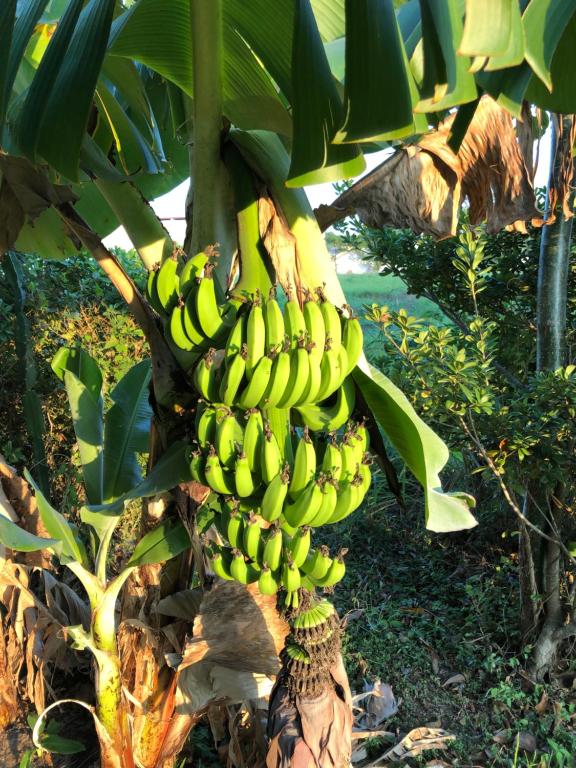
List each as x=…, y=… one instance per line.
x=388, y=290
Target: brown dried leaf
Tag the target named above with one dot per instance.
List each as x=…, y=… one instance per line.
x=415, y=742
x=454, y=681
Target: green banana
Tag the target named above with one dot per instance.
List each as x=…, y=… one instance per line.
x=274, y=322
x=252, y=538
x=304, y=465
x=306, y=506
x=253, y=439
x=329, y=372
x=236, y=338
x=299, y=545
x=152, y=290
x=267, y=583
x=191, y=270
x=186, y=360
x=332, y=321
x=290, y=576
x=220, y=566
x=361, y=433
x=233, y=377
x=243, y=572
x=235, y=527
x=332, y=459
x=328, y=505
x=167, y=283
x=243, y=478
x=197, y=468
x=351, y=453
x=205, y=425
x=257, y=385
x=271, y=456
x=206, y=304
x=216, y=476
x=348, y=500
x=274, y=495
x=177, y=331
x=278, y=378
x=272, y=552
x=314, y=326
x=317, y=563
x=342, y=367
x=299, y=375
x=334, y=574
x=255, y=336
x=229, y=435
x=314, y=385
x=352, y=339
x=294, y=322
x=205, y=377
x=191, y=323
x=330, y=418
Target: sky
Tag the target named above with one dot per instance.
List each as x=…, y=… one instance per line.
x=171, y=205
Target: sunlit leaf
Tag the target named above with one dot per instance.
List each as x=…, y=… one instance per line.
x=162, y=543
x=544, y=24
x=487, y=27
x=11, y=535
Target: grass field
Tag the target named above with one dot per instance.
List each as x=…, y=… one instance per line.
x=388, y=290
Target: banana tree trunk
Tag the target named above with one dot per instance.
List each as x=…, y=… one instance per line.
x=544, y=560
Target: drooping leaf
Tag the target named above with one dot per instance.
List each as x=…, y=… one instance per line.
x=11, y=535
x=162, y=543
x=29, y=123
x=57, y=525
x=514, y=54
x=544, y=23
x=60, y=745
x=127, y=430
x=442, y=27
x=377, y=107
x=563, y=96
x=7, y=19
x=317, y=110
x=83, y=381
x=423, y=451
x=66, y=116
x=507, y=86
x=487, y=27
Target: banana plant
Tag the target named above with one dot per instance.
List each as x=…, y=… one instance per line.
x=109, y=447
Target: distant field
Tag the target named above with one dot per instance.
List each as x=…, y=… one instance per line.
x=389, y=290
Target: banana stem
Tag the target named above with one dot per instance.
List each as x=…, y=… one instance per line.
x=206, y=163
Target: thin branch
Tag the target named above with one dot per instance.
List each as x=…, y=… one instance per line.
x=472, y=434
x=112, y=267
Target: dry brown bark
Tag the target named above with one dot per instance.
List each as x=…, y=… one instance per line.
x=423, y=186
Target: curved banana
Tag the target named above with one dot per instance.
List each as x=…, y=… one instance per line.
x=299, y=545
x=229, y=435
x=317, y=563
x=236, y=338
x=257, y=385
x=315, y=327
x=255, y=335
x=334, y=574
x=216, y=476
x=197, y=464
x=253, y=438
x=290, y=577
x=191, y=270
x=278, y=378
x=234, y=527
x=306, y=506
x=314, y=385
x=267, y=582
x=275, y=495
x=205, y=377
x=233, y=377
x=167, y=283
x=205, y=425
x=243, y=572
x=271, y=456
x=304, y=465
x=152, y=291
x=177, y=331
x=191, y=322
x=274, y=322
x=353, y=340
x=206, y=304
x=252, y=538
x=349, y=499
x=332, y=459
x=221, y=566
x=328, y=505
x=272, y=552
x=332, y=321
x=329, y=372
x=330, y=418
x=243, y=477
x=294, y=322
x=351, y=453
x=299, y=375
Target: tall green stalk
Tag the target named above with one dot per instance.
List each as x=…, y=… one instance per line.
x=554, y=266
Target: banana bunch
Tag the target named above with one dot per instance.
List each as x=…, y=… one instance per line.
x=296, y=358
x=269, y=509
x=187, y=301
